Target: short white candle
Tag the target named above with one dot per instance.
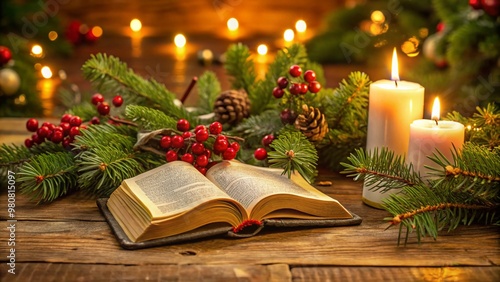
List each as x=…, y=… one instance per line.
x=393, y=105
x=429, y=136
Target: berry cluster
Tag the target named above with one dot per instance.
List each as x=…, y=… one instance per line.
x=103, y=106
x=64, y=133
x=193, y=146
x=296, y=85
x=261, y=153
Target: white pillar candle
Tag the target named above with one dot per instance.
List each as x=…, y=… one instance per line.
x=393, y=105
x=429, y=136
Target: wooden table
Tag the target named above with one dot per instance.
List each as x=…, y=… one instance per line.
x=69, y=240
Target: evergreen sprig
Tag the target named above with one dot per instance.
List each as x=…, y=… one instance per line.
x=208, y=89
x=47, y=177
x=255, y=127
x=293, y=152
x=240, y=66
x=148, y=118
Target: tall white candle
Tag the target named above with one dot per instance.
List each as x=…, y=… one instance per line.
x=393, y=105
x=429, y=136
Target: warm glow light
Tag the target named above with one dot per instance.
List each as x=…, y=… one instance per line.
x=53, y=35
x=377, y=17
x=262, y=49
x=232, y=24
x=300, y=26
x=46, y=72
x=36, y=51
x=289, y=35
x=180, y=40
x=395, y=70
x=97, y=31
x=436, y=108
x=135, y=25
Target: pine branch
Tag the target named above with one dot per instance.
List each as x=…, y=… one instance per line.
x=47, y=177
x=11, y=155
x=256, y=126
x=109, y=74
x=293, y=152
x=104, y=135
x=240, y=67
x=148, y=118
x=208, y=90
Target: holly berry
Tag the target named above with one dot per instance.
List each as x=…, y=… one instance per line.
x=278, y=92
x=75, y=121
x=235, y=146
x=182, y=125
x=177, y=141
x=186, y=135
x=97, y=98
x=295, y=88
x=95, y=120
x=32, y=125
x=303, y=88
x=202, y=170
x=43, y=131
x=295, y=71
x=288, y=116
x=310, y=75
x=199, y=127
x=165, y=142
x=215, y=127
x=117, y=101
x=28, y=143
x=66, y=117
x=73, y=131
x=260, y=154
x=491, y=7
x=475, y=4
x=220, y=145
x=187, y=157
x=440, y=26
x=57, y=136
x=66, y=143
x=314, y=87
x=229, y=154
x=202, y=160
x=5, y=55
x=171, y=156
x=37, y=139
x=267, y=140
x=65, y=127
x=103, y=108
x=202, y=135
x=282, y=82
x=198, y=148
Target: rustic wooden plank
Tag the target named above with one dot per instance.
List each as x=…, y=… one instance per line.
x=93, y=242
x=375, y=274
x=103, y=272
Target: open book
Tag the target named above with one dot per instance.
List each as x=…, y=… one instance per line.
x=175, y=198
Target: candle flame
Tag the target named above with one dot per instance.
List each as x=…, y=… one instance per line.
x=232, y=24
x=436, y=108
x=395, y=69
x=180, y=40
x=135, y=25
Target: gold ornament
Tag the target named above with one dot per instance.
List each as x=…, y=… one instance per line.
x=9, y=81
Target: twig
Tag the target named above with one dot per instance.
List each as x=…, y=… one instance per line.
x=188, y=90
x=122, y=121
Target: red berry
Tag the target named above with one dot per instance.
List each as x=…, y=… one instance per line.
x=95, y=120
x=57, y=136
x=64, y=127
x=187, y=157
x=207, y=153
x=199, y=127
x=278, y=92
x=177, y=141
x=75, y=121
x=171, y=156
x=66, y=143
x=215, y=127
x=165, y=142
x=202, y=170
x=43, y=131
x=295, y=71
x=198, y=148
x=229, y=154
x=202, y=160
x=310, y=75
x=32, y=125
x=267, y=140
x=491, y=7
x=97, y=98
x=5, y=55
x=235, y=146
x=303, y=88
x=475, y=4
x=202, y=135
x=288, y=116
x=103, y=108
x=186, y=135
x=440, y=26
x=28, y=143
x=73, y=131
x=282, y=82
x=117, y=100
x=294, y=88
x=183, y=125
x=260, y=154
x=37, y=139
x=66, y=118
x=221, y=145
x=314, y=87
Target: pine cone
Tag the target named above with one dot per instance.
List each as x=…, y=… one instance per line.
x=232, y=106
x=312, y=123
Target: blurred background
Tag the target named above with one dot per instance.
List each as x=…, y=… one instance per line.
x=450, y=47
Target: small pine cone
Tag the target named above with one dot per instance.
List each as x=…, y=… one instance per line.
x=232, y=106
x=312, y=123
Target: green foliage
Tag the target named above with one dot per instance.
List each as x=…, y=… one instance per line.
x=148, y=118
x=256, y=126
x=240, y=66
x=293, y=152
x=47, y=177
x=208, y=90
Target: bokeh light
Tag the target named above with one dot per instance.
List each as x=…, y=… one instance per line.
x=46, y=72
x=232, y=24
x=135, y=25
x=300, y=26
x=180, y=40
x=262, y=49
x=288, y=35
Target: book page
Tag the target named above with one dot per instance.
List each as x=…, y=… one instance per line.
x=172, y=188
x=249, y=184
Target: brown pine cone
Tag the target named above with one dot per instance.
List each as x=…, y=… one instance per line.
x=232, y=106
x=312, y=123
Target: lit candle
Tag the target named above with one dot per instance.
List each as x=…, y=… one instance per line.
x=393, y=105
x=288, y=36
x=427, y=136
